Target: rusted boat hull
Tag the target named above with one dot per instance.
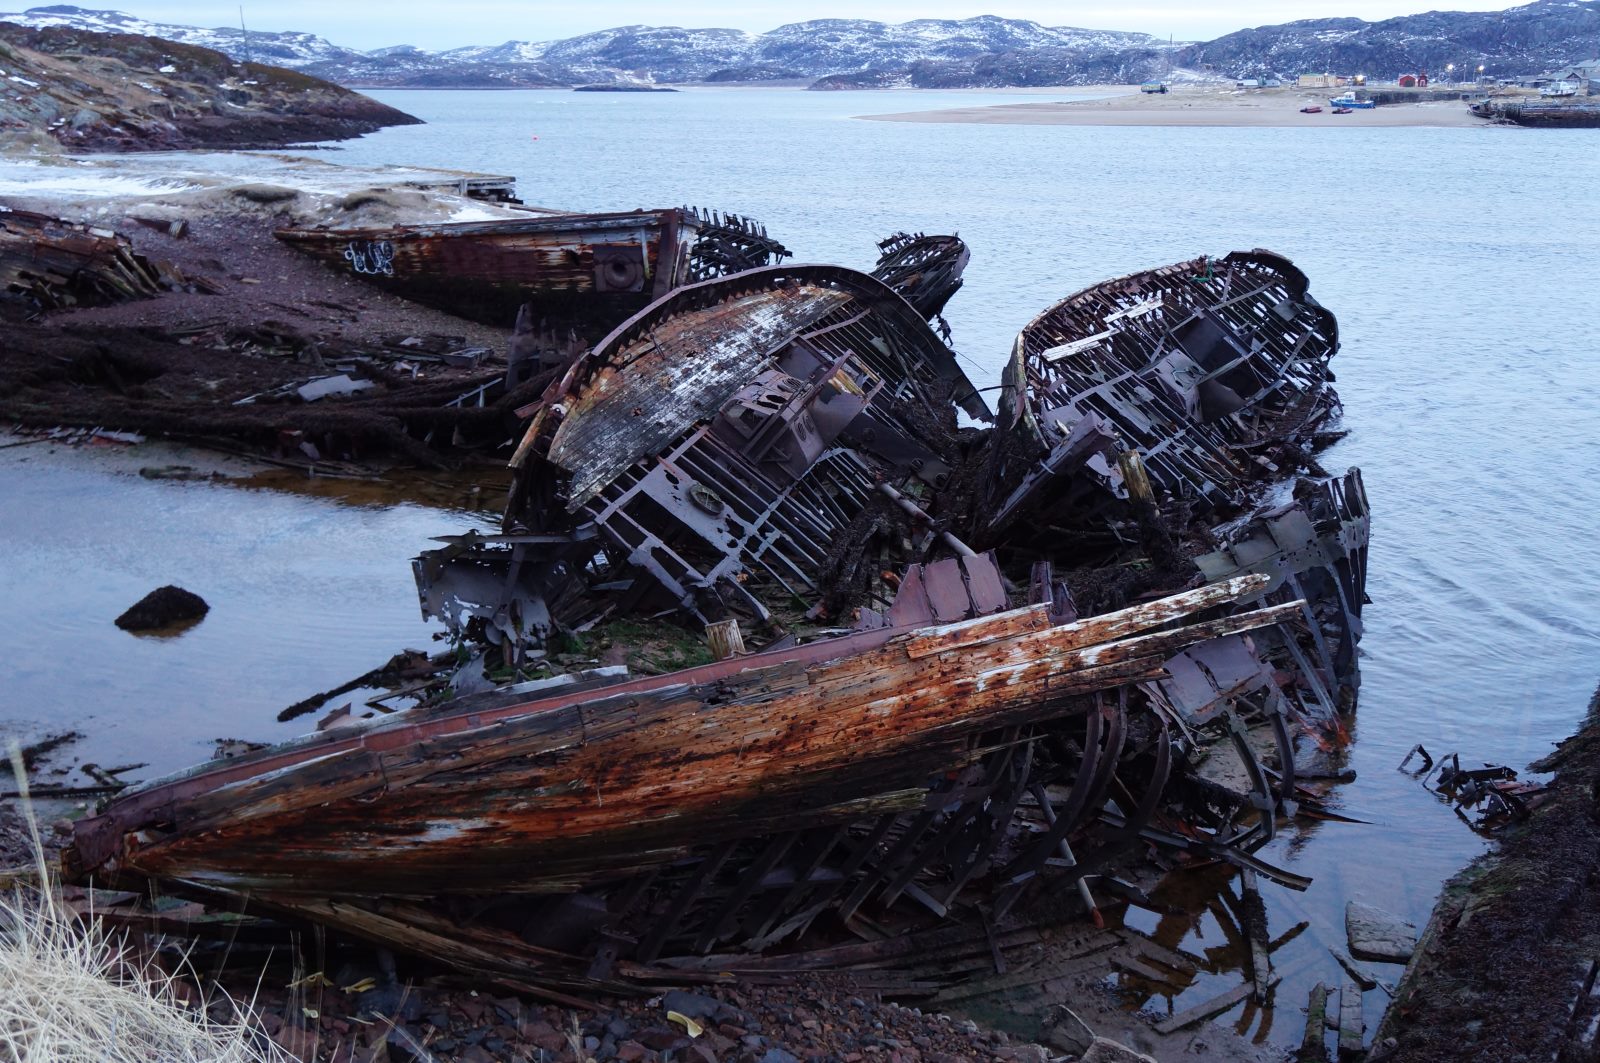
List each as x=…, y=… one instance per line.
x=735, y=801
x=566, y=789
x=1209, y=370
x=581, y=272
x=926, y=270
x=729, y=447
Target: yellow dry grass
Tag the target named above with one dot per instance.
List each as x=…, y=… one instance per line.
x=72, y=993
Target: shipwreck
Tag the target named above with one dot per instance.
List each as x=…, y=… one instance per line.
x=933, y=664
x=579, y=272
x=48, y=263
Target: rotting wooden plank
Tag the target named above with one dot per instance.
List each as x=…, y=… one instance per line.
x=1359, y=974
x=722, y=923
x=1135, y=966
x=1107, y=626
x=1094, y=964
x=1183, y=963
x=1350, y=1025
x=813, y=854
x=1313, y=1045
x=1215, y=1006
x=651, y=946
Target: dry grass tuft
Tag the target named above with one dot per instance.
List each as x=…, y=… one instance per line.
x=71, y=992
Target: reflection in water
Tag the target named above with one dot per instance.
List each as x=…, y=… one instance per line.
x=474, y=489
x=306, y=592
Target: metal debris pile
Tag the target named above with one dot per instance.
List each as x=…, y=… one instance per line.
x=786, y=637
x=1494, y=791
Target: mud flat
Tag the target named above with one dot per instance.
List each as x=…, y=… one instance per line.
x=1200, y=106
x=207, y=317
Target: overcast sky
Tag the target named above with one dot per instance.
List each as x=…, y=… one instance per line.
x=435, y=24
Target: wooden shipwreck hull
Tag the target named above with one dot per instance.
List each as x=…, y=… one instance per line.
x=773, y=462
x=584, y=272
x=596, y=791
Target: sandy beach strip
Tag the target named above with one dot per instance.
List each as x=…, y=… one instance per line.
x=1201, y=107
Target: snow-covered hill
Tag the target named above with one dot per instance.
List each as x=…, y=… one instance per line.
x=1530, y=39
x=982, y=51
x=290, y=50
x=650, y=53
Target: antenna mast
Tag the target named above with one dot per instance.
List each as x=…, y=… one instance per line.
x=246, y=34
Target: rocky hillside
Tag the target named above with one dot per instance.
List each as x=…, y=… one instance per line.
x=933, y=53
x=291, y=50
x=1531, y=39
x=121, y=92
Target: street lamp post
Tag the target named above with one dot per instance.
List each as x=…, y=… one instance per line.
x=1449, y=73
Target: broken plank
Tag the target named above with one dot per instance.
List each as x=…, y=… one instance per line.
x=1215, y=1006
x=1135, y=966
x=1362, y=977
x=1313, y=1046
x=1350, y=1025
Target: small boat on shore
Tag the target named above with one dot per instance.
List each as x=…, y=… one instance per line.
x=1342, y=110
x=1313, y=109
x=585, y=272
x=1349, y=100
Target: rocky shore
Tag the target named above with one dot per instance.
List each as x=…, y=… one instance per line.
x=118, y=92
x=240, y=322
x=1506, y=968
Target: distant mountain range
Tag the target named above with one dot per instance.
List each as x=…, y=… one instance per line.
x=943, y=53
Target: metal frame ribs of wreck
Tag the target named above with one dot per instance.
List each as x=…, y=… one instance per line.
x=1207, y=369
x=951, y=667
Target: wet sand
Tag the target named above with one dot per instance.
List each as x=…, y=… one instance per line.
x=1201, y=106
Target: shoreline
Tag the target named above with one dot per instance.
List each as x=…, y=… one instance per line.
x=1200, y=107
x=1527, y=906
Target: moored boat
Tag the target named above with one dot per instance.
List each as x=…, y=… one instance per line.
x=1350, y=100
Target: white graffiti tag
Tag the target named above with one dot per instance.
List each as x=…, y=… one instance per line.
x=371, y=256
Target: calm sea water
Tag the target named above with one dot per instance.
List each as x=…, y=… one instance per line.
x=1459, y=263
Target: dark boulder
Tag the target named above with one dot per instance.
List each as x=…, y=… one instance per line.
x=163, y=606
